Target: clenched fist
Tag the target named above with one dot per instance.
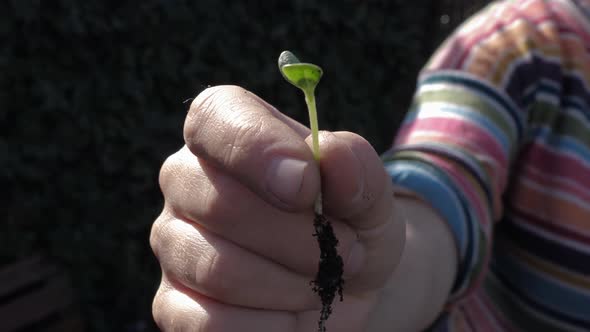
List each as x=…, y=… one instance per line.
x=234, y=239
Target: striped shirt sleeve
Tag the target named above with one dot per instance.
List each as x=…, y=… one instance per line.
x=468, y=120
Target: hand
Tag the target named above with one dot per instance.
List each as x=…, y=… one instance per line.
x=235, y=240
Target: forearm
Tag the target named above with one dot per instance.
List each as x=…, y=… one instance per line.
x=420, y=285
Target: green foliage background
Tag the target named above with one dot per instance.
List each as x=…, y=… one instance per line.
x=92, y=100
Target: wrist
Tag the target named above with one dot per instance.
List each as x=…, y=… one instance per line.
x=418, y=288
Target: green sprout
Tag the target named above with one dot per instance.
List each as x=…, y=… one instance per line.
x=306, y=77
x=328, y=280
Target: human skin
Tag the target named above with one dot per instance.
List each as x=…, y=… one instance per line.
x=235, y=243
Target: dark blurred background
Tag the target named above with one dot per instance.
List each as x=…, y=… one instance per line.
x=93, y=97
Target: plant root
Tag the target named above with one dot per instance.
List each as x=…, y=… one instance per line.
x=328, y=279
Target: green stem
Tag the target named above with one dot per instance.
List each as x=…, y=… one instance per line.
x=315, y=141
x=313, y=122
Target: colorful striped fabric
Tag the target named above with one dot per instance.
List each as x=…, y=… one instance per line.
x=498, y=141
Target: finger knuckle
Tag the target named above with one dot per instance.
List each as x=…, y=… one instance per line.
x=181, y=173
x=204, y=100
x=162, y=316
x=204, y=107
x=167, y=171
x=207, y=97
x=157, y=236
x=170, y=314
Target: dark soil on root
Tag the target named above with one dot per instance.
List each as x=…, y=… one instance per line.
x=328, y=279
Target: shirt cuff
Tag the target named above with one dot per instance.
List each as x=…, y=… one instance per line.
x=437, y=189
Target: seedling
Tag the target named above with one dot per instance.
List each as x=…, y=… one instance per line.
x=328, y=280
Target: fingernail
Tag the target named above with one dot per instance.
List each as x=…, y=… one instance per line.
x=285, y=178
x=355, y=260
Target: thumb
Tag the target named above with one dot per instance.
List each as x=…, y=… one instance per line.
x=357, y=191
